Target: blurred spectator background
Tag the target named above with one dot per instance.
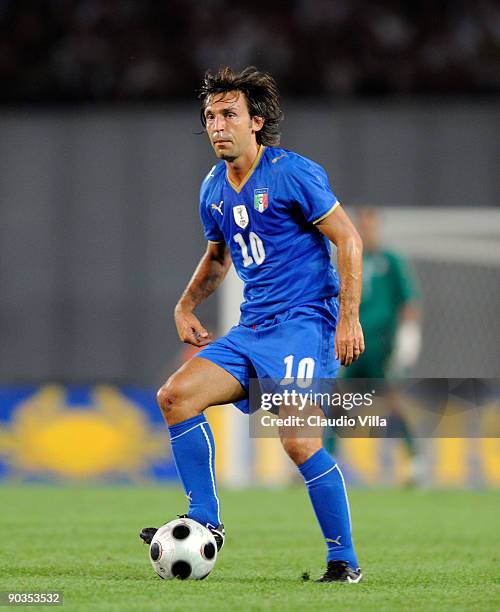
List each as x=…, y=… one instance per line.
x=101, y=158
x=69, y=51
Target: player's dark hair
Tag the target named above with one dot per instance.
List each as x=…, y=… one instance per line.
x=261, y=93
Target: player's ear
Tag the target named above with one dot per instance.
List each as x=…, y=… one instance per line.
x=257, y=123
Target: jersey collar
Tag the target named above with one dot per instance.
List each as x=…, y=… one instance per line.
x=239, y=187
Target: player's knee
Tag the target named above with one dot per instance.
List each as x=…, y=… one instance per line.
x=300, y=449
x=172, y=397
x=293, y=449
x=165, y=397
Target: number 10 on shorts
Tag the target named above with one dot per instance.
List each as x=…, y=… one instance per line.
x=304, y=374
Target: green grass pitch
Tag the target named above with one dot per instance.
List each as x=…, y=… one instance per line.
x=420, y=550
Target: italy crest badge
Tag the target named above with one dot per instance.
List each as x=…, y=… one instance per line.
x=260, y=199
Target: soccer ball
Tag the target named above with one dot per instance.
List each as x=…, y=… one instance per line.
x=183, y=549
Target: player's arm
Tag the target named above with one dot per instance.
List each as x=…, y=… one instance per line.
x=337, y=227
x=208, y=275
x=408, y=340
x=410, y=312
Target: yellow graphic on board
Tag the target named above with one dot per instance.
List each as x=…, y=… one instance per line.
x=112, y=437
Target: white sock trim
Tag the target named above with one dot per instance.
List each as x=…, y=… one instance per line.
x=187, y=431
x=346, y=498
x=323, y=474
x=210, y=454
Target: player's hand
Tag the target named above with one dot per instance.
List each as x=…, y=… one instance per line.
x=349, y=341
x=190, y=329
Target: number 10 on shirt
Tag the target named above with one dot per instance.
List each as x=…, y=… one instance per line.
x=256, y=246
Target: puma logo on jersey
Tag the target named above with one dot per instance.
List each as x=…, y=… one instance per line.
x=334, y=541
x=276, y=159
x=219, y=208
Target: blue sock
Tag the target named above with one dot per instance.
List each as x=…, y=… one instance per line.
x=194, y=455
x=326, y=487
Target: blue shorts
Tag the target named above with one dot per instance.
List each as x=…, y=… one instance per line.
x=297, y=342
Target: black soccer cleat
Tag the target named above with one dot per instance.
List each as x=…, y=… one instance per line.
x=219, y=534
x=148, y=533
x=340, y=571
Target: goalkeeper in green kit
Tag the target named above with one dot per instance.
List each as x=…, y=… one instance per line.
x=390, y=317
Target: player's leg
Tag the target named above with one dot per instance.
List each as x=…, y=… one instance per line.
x=195, y=386
x=400, y=427
x=375, y=364
x=198, y=384
x=327, y=492
x=310, y=335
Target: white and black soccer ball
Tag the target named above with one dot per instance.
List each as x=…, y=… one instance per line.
x=183, y=549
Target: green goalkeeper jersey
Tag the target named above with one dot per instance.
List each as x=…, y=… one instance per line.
x=388, y=283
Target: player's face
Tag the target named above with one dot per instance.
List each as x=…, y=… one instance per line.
x=230, y=128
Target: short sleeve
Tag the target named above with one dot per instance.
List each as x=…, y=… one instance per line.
x=210, y=227
x=312, y=191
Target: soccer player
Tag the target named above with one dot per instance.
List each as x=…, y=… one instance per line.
x=272, y=213
x=390, y=315
x=390, y=309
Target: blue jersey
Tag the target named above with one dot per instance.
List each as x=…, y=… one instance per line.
x=268, y=223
